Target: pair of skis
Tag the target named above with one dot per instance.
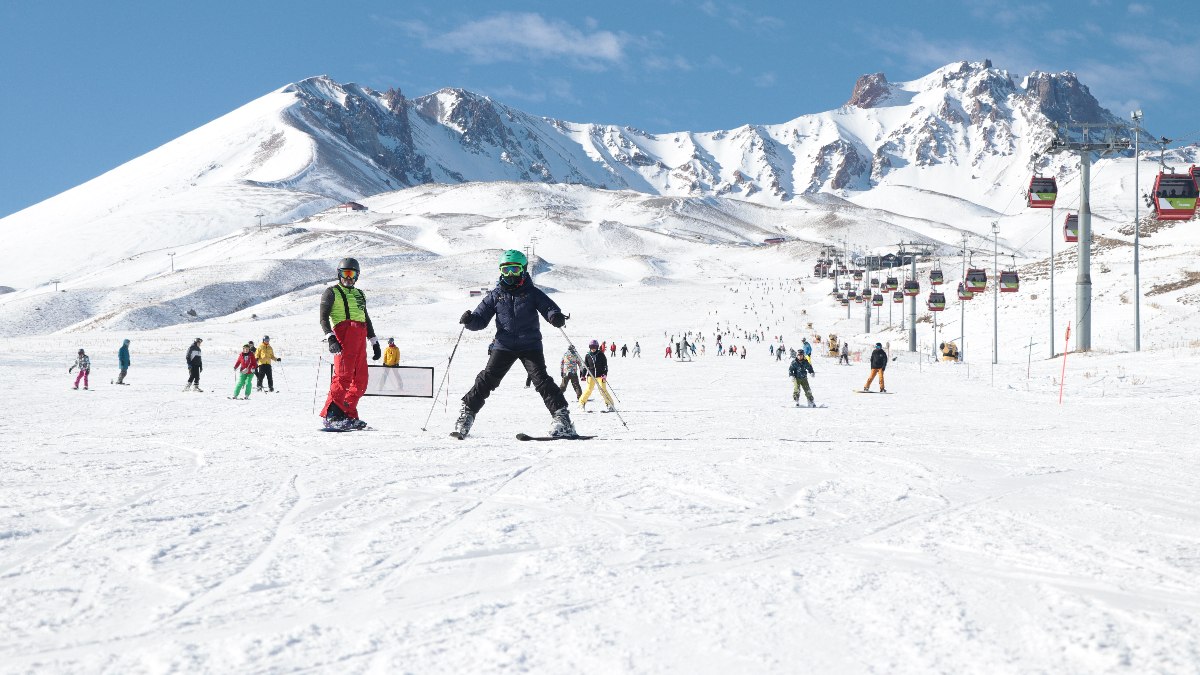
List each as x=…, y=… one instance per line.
x=527, y=437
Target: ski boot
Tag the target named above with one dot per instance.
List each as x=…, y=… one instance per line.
x=611, y=408
x=463, y=426
x=811, y=403
x=560, y=425
x=356, y=424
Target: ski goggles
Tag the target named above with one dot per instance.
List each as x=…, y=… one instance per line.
x=348, y=275
x=511, y=270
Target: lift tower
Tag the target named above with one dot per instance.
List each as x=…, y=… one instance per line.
x=915, y=250
x=1090, y=138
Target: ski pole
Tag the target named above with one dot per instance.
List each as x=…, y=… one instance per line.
x=446, y=375
x=316, y=380
x=592, y=374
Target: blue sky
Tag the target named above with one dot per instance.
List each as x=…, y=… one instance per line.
x=89, y=85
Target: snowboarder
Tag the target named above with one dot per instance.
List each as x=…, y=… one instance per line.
x=668, y=352
x=637, y=350
x=569, y=368
x=264, y=355
x=879, y=361
x=596, y=367
x=624, y=351
x=347, y=329
x=195, y=365
x=807, y=347
x=845, y=357
x=245, y=365
x=612, y=349
x=516, y=304
x=123, y=361
x=391, y=355
x=799, y=370
x=84, y=364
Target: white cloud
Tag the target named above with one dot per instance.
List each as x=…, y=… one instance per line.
x=765, y=80
x=530, y=36
x=1138, y=9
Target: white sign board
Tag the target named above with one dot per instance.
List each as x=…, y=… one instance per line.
x=399, y=381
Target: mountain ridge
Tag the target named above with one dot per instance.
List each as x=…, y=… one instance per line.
x=313, y=143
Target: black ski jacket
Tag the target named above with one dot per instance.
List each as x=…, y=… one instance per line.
x=879, y=359
x=595, y=363
x=193, y=356
x=516, y=309
x=801, y=369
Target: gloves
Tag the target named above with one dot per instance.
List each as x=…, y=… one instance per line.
x=279, y=359
x=375, y=351
x=558, y=319
x=465, y=318
x=335, y=347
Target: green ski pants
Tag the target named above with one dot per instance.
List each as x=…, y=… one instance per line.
x=244, y=380
x=799, y=383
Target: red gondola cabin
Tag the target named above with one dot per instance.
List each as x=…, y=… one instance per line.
x=1043, y=190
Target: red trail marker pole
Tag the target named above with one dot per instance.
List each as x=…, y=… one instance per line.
x=1062, y=378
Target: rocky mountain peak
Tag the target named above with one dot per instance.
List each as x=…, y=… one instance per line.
x=1061, y=97
x=869, y=90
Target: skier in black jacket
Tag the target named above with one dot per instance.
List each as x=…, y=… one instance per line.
x=879, y=361
x=195, y=365
x=799, y=370
x=595, y=364
x=516, y=304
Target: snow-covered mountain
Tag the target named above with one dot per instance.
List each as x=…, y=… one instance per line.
x=964, y=134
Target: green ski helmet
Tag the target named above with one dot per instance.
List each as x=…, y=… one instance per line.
x=513, y=257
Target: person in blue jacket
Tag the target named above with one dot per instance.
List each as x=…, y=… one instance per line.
x=516, y=304
x=123, y=361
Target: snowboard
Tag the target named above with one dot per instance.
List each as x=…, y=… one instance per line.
x=527, y=437
x=343, y=431
x=805, y=405
x=860, y=391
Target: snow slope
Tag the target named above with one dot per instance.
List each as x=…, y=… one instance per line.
x=959, y=525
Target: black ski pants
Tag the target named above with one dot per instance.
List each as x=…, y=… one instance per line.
x=264, y=370
x=497, y=367
x=194, y=375
x=574, y=380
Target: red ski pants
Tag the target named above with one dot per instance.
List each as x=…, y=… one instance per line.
x=349, y=379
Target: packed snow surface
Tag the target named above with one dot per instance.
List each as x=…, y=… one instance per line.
x=967, y=522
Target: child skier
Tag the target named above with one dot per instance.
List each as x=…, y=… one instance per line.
x=569, y=368
x=596, y=367
x=516, y=304
x=84, y=364
x=245, y=366
x=799, y=370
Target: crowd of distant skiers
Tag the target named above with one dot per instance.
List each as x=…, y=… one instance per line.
x=517, y=307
